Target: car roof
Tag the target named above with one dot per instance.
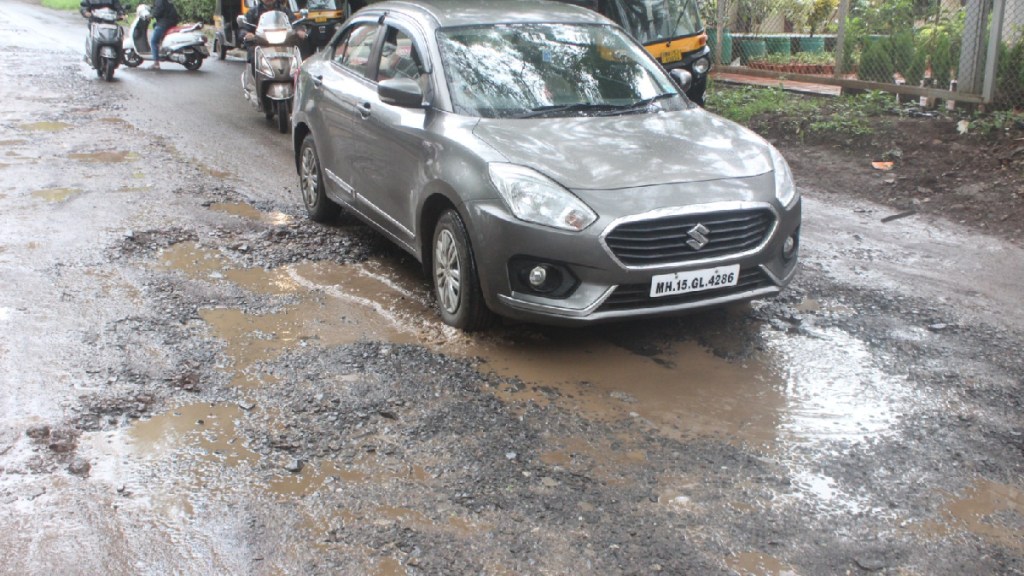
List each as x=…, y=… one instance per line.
x=450, y=13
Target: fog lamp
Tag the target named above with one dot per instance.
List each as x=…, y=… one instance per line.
x=538, y=276
x=790, y=245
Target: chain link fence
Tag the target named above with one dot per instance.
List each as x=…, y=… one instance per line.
x=940, y=52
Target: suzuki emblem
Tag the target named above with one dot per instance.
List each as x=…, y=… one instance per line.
x=698, y=237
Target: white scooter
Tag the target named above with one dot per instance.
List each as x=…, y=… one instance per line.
x=185, y=46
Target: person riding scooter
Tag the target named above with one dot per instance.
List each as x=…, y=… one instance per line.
x=185, y=46
x=251, y=22
x=103, y=45
x=165, y=16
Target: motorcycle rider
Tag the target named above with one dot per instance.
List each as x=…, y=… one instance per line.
x=166, y=17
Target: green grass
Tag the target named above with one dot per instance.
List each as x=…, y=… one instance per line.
x=744, y=104
x=844, y=115
x=62, y=4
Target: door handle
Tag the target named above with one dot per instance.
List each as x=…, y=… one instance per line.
x=318, y=81
x=364, y=110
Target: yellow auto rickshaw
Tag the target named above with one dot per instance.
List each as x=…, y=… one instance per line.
x=226, y=35
x=323, y=17
x=671, y=30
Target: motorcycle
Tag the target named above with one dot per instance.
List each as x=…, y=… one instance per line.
x=182, y=45
x=268, y=82
x=103, y=44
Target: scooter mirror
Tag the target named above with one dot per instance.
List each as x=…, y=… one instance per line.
x=240, y=20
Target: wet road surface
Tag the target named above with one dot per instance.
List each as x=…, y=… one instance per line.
x=198, y=380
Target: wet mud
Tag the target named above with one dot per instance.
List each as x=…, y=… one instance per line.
x=201, y=380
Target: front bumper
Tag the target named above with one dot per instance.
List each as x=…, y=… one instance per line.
x=607, y=289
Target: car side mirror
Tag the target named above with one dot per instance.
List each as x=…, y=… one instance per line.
x=402, y=92
x=682, y=77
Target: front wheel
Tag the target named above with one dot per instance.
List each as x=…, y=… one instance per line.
x=284, y=116
x=319, y=207
x=220, y=49
x=108, y=66
x=456, y=282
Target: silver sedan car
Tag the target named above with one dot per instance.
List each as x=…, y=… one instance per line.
x=540, y=164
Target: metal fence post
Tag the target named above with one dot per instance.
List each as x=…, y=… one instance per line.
x=844, y=10
x=969, y=76
x=995, y=36
x=720, y=28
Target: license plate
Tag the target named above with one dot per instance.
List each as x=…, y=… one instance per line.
x=671, y=56
x=694, y=280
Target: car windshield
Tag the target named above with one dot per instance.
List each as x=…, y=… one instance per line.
x=530, y=70
x=656, y=20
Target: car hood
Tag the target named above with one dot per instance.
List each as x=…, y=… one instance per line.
x=629, y=151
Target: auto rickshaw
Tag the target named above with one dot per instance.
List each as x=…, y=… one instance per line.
x=226, y=35
x=323, y=19
x=671, y=30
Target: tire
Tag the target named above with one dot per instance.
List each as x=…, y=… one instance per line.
x=193, y=62
x=319, y=207
x=284, y=116
x=220, y=49
x=131, y=59
x=456, y=282
x=108, y=66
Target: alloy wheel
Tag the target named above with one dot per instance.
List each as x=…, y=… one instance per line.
x=447, y=272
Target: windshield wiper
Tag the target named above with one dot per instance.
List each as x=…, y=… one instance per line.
x=556, y=109
x=642, y=104
x=594, y=109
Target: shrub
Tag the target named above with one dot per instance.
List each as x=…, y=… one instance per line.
x=903, y=50
x=192, y=10
x=1010, y=76
x=876, y=62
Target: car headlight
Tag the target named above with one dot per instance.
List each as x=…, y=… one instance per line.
x=785, y=188
x=701, y=66
x=533, y=197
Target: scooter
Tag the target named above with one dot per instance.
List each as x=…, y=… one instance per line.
x=184, y=45
x=103, y=44
x=269, y=81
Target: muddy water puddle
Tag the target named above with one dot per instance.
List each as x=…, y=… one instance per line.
x=55, y=195
x=758, y=564
x=989, y=510
x=250, y=212
x=104, y=157
x=791, y=398
x=44, y=126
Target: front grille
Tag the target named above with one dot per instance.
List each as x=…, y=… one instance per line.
x=663, y=240
x=637, y=296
